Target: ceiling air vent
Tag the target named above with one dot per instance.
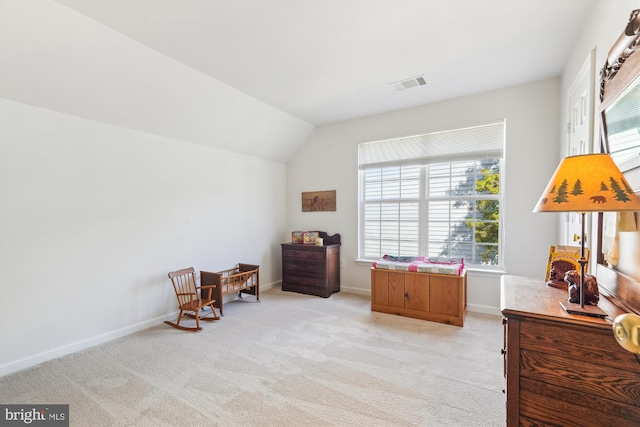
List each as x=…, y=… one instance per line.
x=409, y=83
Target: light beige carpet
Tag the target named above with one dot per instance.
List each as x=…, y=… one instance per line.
x=290, y=360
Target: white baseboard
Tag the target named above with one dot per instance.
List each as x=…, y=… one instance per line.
x=357, y=291
x=270, y=285
x=36, y=359
x=476, y=308
x=486, y=309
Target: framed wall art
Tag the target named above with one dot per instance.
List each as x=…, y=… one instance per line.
x=318, y=201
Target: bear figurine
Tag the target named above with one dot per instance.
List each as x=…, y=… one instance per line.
x=591, y=293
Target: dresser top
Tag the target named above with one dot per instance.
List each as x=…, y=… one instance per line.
x=306, y=245
x=529, y=297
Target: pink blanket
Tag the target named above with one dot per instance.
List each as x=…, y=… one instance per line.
x=437, y=265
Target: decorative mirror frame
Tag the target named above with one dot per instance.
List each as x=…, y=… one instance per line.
x=621, y=68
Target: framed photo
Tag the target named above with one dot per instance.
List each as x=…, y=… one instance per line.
x=562, y=259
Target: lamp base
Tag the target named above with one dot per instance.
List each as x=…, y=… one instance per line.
x=587, y=310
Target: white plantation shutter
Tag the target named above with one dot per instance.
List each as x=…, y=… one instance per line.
x=470, y=143
x=429, y=205
x=391, y=219
x=623, y=126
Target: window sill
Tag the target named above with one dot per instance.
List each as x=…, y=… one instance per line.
x=474, y=270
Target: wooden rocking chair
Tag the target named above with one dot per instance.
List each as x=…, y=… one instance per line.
x=191, y=298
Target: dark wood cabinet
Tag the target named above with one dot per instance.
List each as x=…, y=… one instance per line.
x=311, y=269
x=563, y=369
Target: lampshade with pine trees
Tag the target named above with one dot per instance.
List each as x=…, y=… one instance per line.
x=588, y=183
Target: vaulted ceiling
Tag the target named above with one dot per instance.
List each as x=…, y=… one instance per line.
x=330, y=60
x=256, y=76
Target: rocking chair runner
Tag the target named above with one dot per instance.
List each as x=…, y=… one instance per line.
x=190, y=301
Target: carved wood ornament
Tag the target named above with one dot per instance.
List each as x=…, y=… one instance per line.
x=612, y=84
x=624, y=47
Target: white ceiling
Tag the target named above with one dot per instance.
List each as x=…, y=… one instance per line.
x=327, y=61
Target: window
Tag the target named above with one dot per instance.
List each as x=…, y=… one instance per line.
x=433, y=195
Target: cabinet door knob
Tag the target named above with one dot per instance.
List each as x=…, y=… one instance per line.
x=503, y=351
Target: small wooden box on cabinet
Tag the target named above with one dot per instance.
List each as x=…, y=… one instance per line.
x=311, y=269
x=436, y=297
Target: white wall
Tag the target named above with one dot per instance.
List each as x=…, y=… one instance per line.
x=606, y=23
x=94, y=216
x=535, y=116
x=115, y=168
x=328, y=161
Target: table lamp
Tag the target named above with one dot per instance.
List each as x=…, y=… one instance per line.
x=587, y=183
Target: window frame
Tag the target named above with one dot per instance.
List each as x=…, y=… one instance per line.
x=424, y=199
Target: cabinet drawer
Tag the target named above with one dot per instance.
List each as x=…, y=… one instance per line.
x=291, y=266
x=304, y=254
x=302, y=280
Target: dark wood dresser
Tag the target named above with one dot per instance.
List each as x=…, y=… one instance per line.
x=563, y=369
x=311, y=269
